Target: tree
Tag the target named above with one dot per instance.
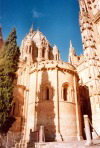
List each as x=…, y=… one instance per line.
x=8, y=66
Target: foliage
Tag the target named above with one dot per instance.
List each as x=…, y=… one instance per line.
x=8, y=66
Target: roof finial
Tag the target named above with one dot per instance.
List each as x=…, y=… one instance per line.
x=31, y=29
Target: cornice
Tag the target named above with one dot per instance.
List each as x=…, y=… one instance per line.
x=53, y=65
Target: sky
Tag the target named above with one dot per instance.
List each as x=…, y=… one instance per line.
x=58, y=20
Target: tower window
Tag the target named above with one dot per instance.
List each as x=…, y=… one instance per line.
x=43, y=52
x=47, y=93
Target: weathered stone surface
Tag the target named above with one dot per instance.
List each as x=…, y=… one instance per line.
x=54, y=93
x=88, y=64
x=46, y=92
x=72, y=144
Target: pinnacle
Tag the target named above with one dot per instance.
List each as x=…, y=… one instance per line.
x=71, y=49
x=32, y=29
x=71, y=44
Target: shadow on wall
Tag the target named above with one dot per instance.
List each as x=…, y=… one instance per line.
x=45, y=107
x=85, y=105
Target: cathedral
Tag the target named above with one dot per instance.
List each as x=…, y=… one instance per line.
x=56, y=94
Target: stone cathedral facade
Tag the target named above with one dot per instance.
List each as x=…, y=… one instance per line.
x=88, y=64
x=50, y=90
x=57, y=94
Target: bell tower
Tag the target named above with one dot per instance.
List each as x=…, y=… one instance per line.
x=90, y=75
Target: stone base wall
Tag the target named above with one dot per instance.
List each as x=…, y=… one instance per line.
x=9, y=140
x=68, y=127
x=47, y=116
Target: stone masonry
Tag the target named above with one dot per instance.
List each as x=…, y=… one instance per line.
x=56, y=94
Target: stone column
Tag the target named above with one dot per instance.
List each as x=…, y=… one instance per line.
x=87, y=131
x=58, y=135
x=41, y=134
x=26, y=99
x=78, y=119
x=35, y=101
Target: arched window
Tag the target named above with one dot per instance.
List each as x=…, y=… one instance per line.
x=37, y=52
x=47, y=93
x=29, y=49
x=65, y=93
x=43, y=52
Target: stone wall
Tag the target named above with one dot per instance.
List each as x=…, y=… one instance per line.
x=52, y=110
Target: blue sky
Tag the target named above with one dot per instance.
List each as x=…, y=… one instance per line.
x=57, y=19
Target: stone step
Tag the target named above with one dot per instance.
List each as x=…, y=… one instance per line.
x=73, y=144
x=55, y=145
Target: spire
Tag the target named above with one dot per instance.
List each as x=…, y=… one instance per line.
x=71, y=44
x=32, y=29
x=71, y=52
x=71, y=49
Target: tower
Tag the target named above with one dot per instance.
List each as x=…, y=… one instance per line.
x=1, y=38
x=89, y=69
